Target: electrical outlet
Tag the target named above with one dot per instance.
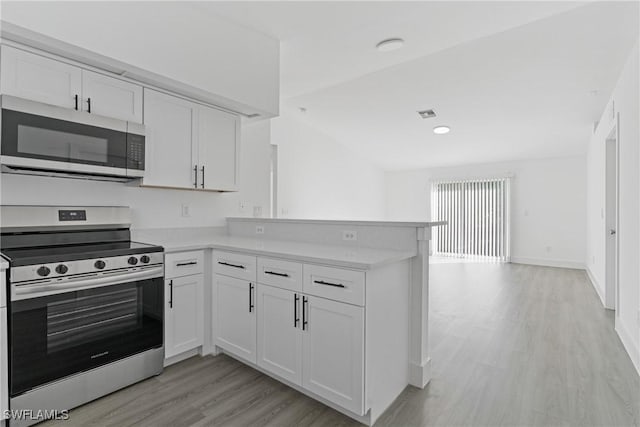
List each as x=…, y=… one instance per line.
x=349, y=235
x=257, y=211
x=186, y=210
x=259, y=229
x=241, y=207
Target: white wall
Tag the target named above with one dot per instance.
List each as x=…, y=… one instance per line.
x=548, y=197
x=625, y=102
x=177, y=40
x=154, y=208
x=318, y=178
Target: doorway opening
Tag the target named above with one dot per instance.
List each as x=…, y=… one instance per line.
x=611, y=219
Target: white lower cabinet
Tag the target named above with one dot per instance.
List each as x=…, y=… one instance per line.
x=184, y=320
x=279, y=337
x=333, y=352
x=313, y=342
x=184, y=302
x=236, y=331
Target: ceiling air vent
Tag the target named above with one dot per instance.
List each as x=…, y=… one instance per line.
x=427, y=114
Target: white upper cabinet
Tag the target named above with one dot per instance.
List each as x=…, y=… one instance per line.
x=35, y=77
x=169, y=131
x=189, y=145
x=218, y=149
x=111, y=97
x=30, y=76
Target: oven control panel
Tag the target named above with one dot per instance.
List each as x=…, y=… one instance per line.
x=72, y=215
x=59, y=271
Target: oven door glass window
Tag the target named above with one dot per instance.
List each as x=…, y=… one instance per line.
x=59, y=335
x=37, y=137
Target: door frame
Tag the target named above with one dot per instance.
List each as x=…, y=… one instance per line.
x=612, y=216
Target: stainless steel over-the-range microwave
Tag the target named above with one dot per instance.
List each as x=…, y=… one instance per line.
x=40, y=138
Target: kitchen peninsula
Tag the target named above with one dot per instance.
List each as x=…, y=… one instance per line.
x=335, y=309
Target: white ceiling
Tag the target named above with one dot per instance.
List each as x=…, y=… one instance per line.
x=512, y=79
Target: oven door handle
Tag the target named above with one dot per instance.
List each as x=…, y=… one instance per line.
x=21, y=292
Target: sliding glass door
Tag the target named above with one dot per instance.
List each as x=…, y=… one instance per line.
x=477, y=214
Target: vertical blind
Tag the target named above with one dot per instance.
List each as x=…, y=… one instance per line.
x=477, y=218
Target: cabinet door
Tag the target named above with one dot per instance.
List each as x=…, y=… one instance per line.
x=169, y=126
x=218, y=149
x=111, y=97
x=37, y=78
x=333, y=352
x=279, y=334
x=184, y=321
x=236, y=317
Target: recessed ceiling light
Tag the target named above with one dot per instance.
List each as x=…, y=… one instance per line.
x=441, y=130
x=390, y=44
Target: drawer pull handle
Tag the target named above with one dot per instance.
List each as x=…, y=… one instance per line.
x=184, y=264
x=231, y=265
x=322, y=282
x=275, y=273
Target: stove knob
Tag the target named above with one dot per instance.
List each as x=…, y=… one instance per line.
x=145, y=259
x=99, y=264
x=43, y=271
x=132, y=260
x=62, y=269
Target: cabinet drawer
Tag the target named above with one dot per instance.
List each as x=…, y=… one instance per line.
x=235, y=265
x=334, y=283
x=183, y=264
x=280, y=273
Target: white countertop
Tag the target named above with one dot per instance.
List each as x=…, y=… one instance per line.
x=343, y=256
x=412, y=224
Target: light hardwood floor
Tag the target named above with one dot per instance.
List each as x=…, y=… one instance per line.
x=512, y=345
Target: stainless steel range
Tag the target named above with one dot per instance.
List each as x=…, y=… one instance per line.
x=85, y=304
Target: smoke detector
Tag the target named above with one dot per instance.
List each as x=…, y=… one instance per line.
x=427, y=114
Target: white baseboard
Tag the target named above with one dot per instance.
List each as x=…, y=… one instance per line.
x=596, y=286
x=627, y=341
x=545, y=262
x=420, y=375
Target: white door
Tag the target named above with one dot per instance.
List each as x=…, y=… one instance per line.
x=218, y=149
x=37, y=78
x=333, y=352
x=279, y=333
x=111, y=97
x=169, y=130
x=236, y=317
x=611, y=220
x=184, y=314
